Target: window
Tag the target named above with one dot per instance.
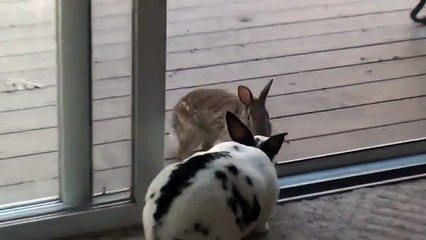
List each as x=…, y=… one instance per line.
x=28, y=106
x=111, y=94
x=81, y=113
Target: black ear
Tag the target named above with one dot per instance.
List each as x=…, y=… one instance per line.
x=273, y=145
x=239, y=132
x=245, y=95
x=264, y=93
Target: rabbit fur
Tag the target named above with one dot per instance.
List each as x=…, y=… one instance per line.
x=224, y=193
x=198, y=118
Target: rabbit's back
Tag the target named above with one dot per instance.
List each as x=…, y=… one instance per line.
x=206, y=108
x=214, y=195
x=198, y=118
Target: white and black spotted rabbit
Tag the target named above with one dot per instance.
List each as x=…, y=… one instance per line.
x=224, y=193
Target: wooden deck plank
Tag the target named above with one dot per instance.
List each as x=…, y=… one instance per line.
x=238, y=8
x=112, y=130
x=302, y=103
x=232, y=72
x=27, y=12
x=48, y=30
x=274, y=32
x=38, y=12
x=113, y=179
x=303, y=126
x=27, y=169
x=101, y=52
x=49, y=75
x=29, y=191
x=112, y=87
x=27, y=32
x=286, y=47
x=180, y=4
x=285, y=84
x=38, y=33
x=347, y=96
x=336, y=121
x=260, y=18
x=47, y=96
x=325, y=123
x=112, y=155
x=115, y=36
x=24, y=62
x=173, y=5
x=28, y=143
x=353, y=140
x=121, y=23
x=227, y=54
x=22, y=59
x=293, y=64
x=320, y=79
x=45, y=140
x=45, y=166
x=341, y=97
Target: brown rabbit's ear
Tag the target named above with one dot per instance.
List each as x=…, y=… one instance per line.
x=265, y=90
x=239, y=132
x=273, y=145
x=245, y=95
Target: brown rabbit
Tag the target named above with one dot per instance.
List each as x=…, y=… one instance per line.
x=199, y=117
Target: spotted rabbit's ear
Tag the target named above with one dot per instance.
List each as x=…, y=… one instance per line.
x=239, y=132
x=272, y=146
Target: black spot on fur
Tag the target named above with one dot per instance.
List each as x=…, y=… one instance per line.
x=241, y=202
x=236, y=148
x=152, y=195
x=249, y=181
x=197, y=227
x=233, y=205
x=255, y=210
x=234, y=170
x=222, y=177
x=180, y=178
x=249, y=213
x=201, y=229
x=239, y=223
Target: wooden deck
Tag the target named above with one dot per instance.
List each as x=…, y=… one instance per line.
x=347, y=74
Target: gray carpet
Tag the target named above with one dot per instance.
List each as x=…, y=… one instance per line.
x=384, y=213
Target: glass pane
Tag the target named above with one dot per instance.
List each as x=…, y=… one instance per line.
x=345, y=77
x=111, y=26
x=28, y=93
